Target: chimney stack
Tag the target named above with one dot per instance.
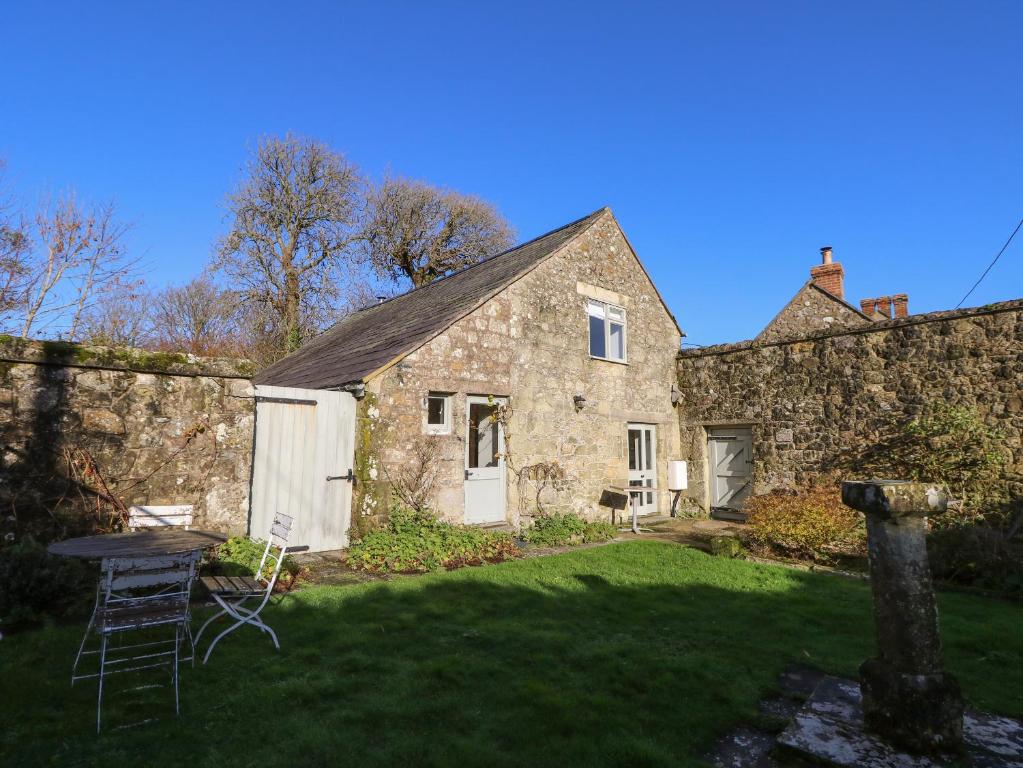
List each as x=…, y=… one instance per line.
x=901, y=302
x=828, y=275
x=884, y=306
x=868, y=306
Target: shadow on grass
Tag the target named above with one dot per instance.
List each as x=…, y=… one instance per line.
x=633, y=654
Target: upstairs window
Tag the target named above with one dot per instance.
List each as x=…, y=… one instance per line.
x=607, y=331
x=438, y=413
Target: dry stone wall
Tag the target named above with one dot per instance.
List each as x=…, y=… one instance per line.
x=155, y=428
x=816, y=400
x=530, y=344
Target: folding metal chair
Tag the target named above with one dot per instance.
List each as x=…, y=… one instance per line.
x=134, y=594
x=231, y=592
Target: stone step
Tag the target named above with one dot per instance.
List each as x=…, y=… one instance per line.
x=723, y=513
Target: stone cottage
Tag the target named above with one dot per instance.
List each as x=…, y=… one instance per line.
x=543, y=373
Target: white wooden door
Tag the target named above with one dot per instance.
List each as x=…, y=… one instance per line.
x=484, y=462
x=643, y=465
x=731, y=460
x=304, y=454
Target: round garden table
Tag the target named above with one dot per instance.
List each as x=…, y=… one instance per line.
x=148, y=543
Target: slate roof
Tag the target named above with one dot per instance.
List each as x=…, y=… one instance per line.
x=368, y=340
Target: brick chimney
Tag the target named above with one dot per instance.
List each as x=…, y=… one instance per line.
x=828, y=275
x=884, y=305
x=901, y=302
x=868, y=306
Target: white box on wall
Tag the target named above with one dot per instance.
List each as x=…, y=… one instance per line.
x=678, y=476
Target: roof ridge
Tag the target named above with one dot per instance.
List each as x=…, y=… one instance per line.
x=487, y=260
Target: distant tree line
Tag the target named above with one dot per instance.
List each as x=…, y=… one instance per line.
x=310, y=238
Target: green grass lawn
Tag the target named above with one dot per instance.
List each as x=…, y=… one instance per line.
x=639, y=653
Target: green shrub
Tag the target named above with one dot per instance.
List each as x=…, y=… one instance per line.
x=950, y=445
x=555, y=530
x=599, y=531
x=415, y=541
x=558, y=530
x=34, y=583
x=240, y=556
x=809, y=524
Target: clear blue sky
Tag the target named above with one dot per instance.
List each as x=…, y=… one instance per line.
x=731, y=139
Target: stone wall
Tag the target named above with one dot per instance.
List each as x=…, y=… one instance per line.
x=159, y=428
x=811, y=310
x=814, y=400
x=530, y=344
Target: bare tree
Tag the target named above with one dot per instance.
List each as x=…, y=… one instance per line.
x=421, y=232
x=78, y=253
x=15, y=250
x=121, y=319
x=295, y=219
x=197, y=317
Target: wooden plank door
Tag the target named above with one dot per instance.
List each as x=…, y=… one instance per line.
x=731, y=457
x=302, y=462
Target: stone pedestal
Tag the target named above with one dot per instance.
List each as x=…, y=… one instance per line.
x=908, y=698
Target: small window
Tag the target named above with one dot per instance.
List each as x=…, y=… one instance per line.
x=438, y=413
x=607, y=331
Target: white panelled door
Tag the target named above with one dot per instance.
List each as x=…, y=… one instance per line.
x=643, y=466
x=302, y=464
x=484, y=462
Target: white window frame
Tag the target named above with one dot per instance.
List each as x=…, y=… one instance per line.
x=437, y=429
x=605, y=308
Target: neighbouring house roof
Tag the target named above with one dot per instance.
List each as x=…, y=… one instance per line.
x=810, y=285
x=372, y=339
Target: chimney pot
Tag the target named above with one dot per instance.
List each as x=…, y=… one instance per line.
x=828, y=275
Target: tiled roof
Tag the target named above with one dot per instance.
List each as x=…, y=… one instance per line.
x=370, y=339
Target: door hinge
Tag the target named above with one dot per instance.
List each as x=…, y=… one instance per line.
x=349, y=477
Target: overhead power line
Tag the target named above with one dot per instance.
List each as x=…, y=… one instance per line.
x=995, y=261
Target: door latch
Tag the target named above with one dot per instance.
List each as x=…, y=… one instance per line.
x=349, y=477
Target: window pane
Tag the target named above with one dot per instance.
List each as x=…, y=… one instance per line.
x=634, y=449
x=435, y=411
x=616, y=313
x=594, y=309
x=598, y=344
x=648, y=455
x=484, y=442
x=617, y=342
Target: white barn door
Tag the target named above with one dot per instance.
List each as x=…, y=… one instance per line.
x=304, y=453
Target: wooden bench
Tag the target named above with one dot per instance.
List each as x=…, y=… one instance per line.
x=177, y=516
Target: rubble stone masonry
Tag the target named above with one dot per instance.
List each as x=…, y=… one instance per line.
x=161, y=428
x=813, y=399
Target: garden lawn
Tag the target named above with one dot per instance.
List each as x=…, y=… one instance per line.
x=639, y=653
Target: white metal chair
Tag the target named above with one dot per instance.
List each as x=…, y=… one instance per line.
x=231, y=592
x=179, y=515
x=138, y=593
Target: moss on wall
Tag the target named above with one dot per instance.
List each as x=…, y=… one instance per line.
x=370, y=495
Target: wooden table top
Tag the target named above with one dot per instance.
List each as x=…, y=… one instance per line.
x=146, y=543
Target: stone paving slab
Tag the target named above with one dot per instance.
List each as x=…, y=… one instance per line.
x=829, y=730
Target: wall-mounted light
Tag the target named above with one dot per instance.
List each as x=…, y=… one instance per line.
x=579, y=402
